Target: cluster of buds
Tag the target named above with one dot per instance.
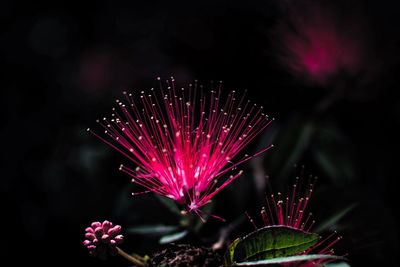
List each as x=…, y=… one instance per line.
x=102, y=238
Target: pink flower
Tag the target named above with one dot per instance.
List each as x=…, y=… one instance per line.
x=291, y=211
x=102, y=238
x=184, y=142
x=319, y=43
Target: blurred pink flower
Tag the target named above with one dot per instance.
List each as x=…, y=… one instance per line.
x=319, y=42
x=183, y=142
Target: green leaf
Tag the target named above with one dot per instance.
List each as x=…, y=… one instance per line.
x=153, y=230
x=268, y=243
x=291, y=259
x=339, y=264
x=173, y=237
x=170, y=204
x=335, y=218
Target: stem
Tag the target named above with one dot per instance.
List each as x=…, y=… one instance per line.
x=134, y=260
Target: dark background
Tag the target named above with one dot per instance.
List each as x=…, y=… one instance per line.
x=65, y=63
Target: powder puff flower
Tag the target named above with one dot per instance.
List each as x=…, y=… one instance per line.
x=290, y=211
x=183, y=141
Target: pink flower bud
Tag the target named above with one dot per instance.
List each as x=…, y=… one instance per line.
x=90, y=236
x=95, y=225
x=119, y=238
x=98, y=232
x=106, y=225
x=115, y=230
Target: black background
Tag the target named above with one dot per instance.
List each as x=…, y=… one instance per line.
x=65, y=63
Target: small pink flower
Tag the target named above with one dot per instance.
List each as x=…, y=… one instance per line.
x=183, y=142
x=291, y=211
x=102, y=238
